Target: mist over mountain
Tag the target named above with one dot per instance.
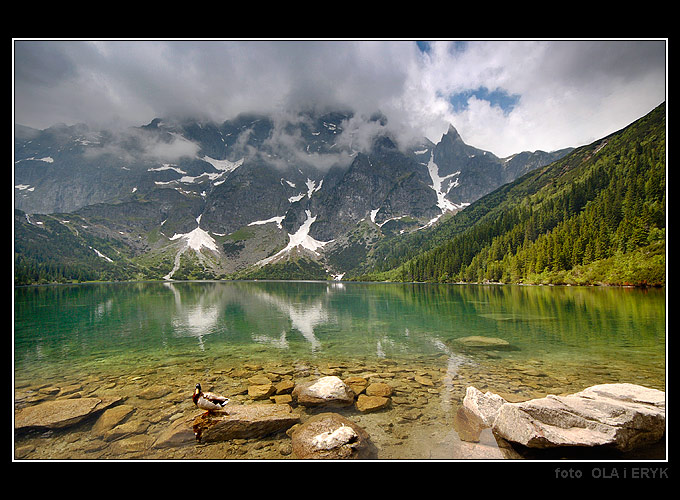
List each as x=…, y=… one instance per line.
x=188, y=198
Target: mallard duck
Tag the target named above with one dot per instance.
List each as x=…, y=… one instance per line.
x=208, y=400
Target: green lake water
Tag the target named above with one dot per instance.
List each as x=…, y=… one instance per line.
x=120, y=339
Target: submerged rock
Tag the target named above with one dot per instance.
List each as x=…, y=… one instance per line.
x=424, y=381
x=180, y=433
x=357, y=384
x=60, y=413
x=331, y=436
x=261, y=391
x=111, y=418
x=379, y=389
x=623, y=416
x=482, y=342
x=368, y=404
x=154, y=392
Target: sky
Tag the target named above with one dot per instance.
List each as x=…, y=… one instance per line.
x=503, y=96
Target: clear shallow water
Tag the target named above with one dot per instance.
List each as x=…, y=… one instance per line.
x=121, y=338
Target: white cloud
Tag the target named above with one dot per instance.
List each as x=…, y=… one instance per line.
x=569, y=92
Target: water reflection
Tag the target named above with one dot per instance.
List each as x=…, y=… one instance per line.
x=346, y=319
x=304, y=313
x=194, y=320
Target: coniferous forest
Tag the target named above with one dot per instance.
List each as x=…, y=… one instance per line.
x=598, y=216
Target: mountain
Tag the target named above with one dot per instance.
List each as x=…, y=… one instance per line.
x=311, y=194
x=596, y=216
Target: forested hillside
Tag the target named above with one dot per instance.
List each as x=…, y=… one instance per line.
x=597, y=216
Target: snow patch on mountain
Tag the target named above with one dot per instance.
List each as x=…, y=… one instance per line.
x=437, y=182
x=198, y=238
x=300, y=238
x=312, y=187
x=223, y=165
x=278, y=221
x=167, y=166
x=100, y=254
x=293, y=199
x=46, y=159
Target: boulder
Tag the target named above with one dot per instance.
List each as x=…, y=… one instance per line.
x=468, y=425
x=484, y=406
x=623, y=416
x=331, y=436
x=330, y=390
x=60, y=413
x=244, y=421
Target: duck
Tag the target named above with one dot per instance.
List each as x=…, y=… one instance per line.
x=208, y=400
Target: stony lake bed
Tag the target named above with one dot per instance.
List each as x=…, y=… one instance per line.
x=420, y=414
x=419, y=418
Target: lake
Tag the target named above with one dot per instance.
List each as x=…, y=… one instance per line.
x=121, y=338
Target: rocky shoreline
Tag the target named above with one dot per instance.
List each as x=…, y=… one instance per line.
x=288, y=414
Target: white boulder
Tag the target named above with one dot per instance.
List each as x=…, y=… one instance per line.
x=624, y=416
x=484, y=406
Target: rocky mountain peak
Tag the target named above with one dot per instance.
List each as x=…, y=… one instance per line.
x=452, y=135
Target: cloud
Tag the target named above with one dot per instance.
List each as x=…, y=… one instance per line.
x=565, y=93
x=503, y=96
x=130, y=144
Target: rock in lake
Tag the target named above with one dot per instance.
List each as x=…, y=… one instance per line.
x=330, y=390
x=262, y=391
x=484, y=406
x=179, y=433
x=154, y=392
x=368, y=404
x=60, y=413
x=244, y=421
x=111, y=418
x=357, y=384
x=478, y=341
x=623, y=416
x=331, y=436
x=379, y=389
